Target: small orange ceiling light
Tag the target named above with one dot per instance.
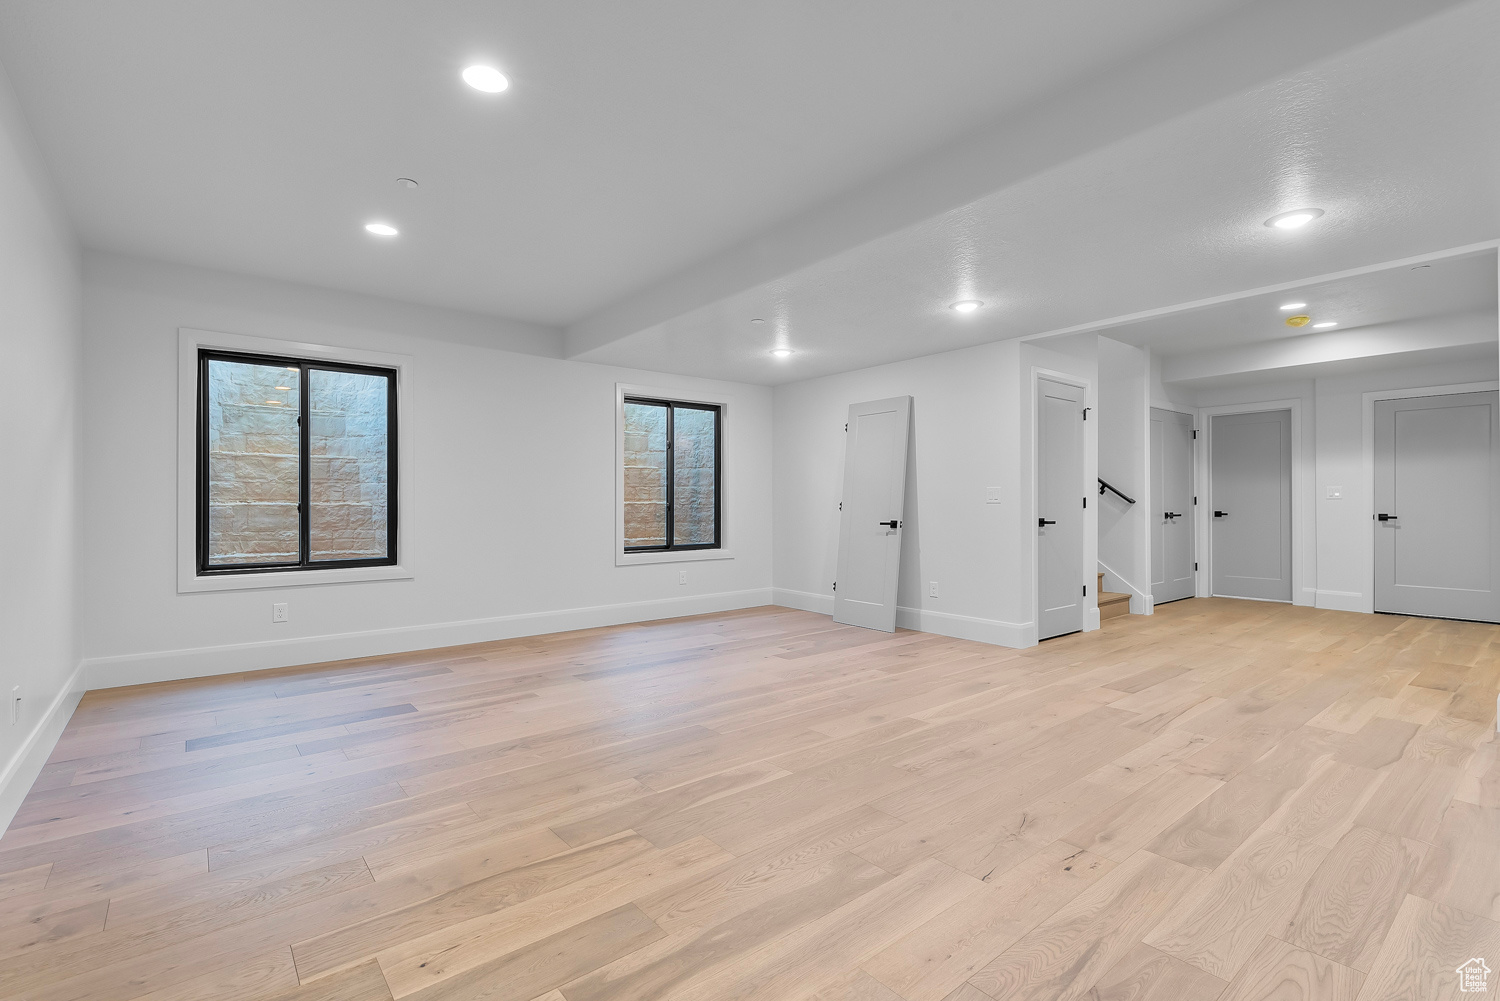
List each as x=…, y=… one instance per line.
x=1298, y=321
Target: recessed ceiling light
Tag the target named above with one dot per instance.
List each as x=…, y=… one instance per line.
x=1421, y=267
x=758, y=319
x=486, y=78
x=781, y=352
x=1324, y=325
x=406, y=182
x=1295, y=219
x=380, y=229
x=966, y=306
x=1294, y=305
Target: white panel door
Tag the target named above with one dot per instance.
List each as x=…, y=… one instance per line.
x=1171, y=514
x=870, y=526
x=1437, y=503
x=1250, y=505
x=1060, y=499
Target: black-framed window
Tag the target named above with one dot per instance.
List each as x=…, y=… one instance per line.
x=296, y=464
x=673, y=456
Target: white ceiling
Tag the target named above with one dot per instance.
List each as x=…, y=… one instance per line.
x=660, y=173
x=1465, y=284
x=1396, y=140
x=259, y=135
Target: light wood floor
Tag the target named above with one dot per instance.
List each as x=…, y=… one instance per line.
x=1228, y=800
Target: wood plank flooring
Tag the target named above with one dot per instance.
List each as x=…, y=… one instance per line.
x=1226, y=800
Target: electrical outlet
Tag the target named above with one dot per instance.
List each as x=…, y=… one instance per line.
x=682, y=576
x=932, y=589
x=15, y=705
x=278, y=612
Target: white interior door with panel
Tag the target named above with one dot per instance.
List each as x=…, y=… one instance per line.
x=1171, y=514
x=873, y=505
x=1437, y=506
x=1250, y=505
x=1060, y=500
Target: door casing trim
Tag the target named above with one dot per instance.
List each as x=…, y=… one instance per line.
x=1038, y=373
x=1302, y=594
x=1366, y=602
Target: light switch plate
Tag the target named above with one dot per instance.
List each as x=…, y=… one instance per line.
x=992, y=495
x=1335, y=493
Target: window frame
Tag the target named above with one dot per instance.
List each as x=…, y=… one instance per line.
x=189, y=341
x=724, y=472
x=672, y=406
x=305, y=562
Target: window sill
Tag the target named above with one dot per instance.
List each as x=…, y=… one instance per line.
x=683, y=556
x=290, y=578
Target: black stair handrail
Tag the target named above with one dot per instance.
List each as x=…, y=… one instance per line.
x=1103, y=486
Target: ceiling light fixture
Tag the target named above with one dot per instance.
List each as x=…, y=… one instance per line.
x=758, y=319
x=781, y=352
x=1324, y=325
x=407, y=182
x=381, y=229
x=486, y=79
x=966, y=306
x=1298, y=321
x=1294, y=305
x=1295, y=219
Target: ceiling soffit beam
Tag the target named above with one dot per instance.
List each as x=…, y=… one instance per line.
x=1259, y=42
x=1376, y=340
x=1105, y=324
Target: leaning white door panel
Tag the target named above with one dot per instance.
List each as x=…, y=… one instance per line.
x=1059, y=505
x=870, y=526
x=1437, y=503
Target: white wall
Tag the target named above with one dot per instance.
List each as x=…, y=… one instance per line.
x=1333, y=553
x=972, y=418
x=1125, y=461
x=965, y=422
x=1304, y=513
x=509, y=455
x=39, y=341
x=1345, y=558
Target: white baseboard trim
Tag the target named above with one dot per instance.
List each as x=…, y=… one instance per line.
x=1340, y=601
x=20, y=772
x=203, y=662
x=805, y=600
x=963, y=627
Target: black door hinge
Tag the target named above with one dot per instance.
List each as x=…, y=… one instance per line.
x=846, y=425
x=1085, y=590
x=1085, y=502
x=841, y=505
x=835, y=585
x=1086, y=412
x=1195, y=566
x=1195, y=434
x=1195, y=501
